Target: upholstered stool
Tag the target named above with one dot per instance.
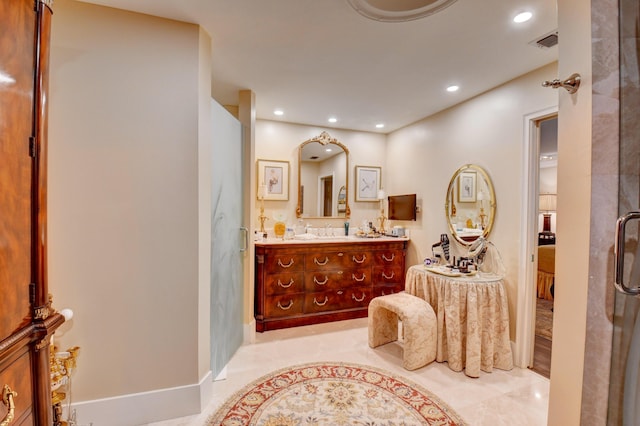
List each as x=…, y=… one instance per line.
x=418, y=324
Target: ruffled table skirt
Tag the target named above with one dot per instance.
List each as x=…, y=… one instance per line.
x=472, y=317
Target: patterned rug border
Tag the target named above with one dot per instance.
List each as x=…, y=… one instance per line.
x=242, y=392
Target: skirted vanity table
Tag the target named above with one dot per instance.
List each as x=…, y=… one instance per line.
x=472, y=317
x=471, y=306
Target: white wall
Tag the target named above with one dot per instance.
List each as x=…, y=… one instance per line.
x=123, y=200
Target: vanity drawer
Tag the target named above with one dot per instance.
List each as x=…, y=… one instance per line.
x=321, y=261
x=389, y=257
x=386, y=289
x=284, y=262
x=284, y=283
x=388, y=275
x=335, y=280
x=283, y=305
x=18, y=376
x=337, y=300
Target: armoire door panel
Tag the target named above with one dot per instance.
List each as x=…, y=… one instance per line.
x=17, y=19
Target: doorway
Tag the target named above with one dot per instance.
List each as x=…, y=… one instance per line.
x=547, y=138
x=532, y=224
x=326, y=183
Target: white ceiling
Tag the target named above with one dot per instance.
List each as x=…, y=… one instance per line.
x=319, y=58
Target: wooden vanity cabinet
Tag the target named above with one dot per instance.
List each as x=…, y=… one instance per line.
x=302, y=283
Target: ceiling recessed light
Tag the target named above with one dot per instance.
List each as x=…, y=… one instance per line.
x=453, y=88
x=522, y=17
x=278, y=112
x=379, y=126
x=333, y=120
x=328, y=150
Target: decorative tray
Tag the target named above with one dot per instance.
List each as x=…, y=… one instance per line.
x=448, y=272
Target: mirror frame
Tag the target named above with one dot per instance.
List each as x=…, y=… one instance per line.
x=324, y=139
x=492, y=202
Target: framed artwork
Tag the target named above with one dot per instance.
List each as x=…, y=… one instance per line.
x=467, y=187
x=368, y=183
x=273, y=180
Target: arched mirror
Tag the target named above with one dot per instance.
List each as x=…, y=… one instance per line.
x=470, y=206
x=323, y=179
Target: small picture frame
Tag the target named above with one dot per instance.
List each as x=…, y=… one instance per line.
x=467, y=188
x=273, y=177
x=368, y=183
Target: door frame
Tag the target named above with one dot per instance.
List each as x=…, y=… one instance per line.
x=525, y=319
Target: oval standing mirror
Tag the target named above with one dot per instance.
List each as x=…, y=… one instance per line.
x=470, y=206
x=323, y=182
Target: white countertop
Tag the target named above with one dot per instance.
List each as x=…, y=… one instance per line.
x=329, y=240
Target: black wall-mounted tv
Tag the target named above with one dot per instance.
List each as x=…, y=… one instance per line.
x=402, y=207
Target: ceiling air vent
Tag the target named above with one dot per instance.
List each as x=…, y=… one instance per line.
x=546, y=41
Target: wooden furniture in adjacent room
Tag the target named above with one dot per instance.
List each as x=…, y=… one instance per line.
x=546, y=271
x=473, y=319
x=301, y=283
x=26, y=318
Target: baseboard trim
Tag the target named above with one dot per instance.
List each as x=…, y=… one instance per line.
x=146, y=407
x=249, y=333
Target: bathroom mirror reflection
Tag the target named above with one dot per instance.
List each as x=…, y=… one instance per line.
x=470, y=205
x=323, y=182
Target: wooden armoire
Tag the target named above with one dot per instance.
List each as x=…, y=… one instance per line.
x=27, y=319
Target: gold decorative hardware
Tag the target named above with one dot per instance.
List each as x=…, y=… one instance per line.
x=386, y=259
x=364, y=257
x=353, y=296
x=43, y=343
x=315, y=280
x=326, y=299
x=285, y=285
x=288, y=265
x=7, y=399
x=353, y=276
x=285, y=308
x=42, y=312
x=62, y=365
x=317, y=262
x=386, y=277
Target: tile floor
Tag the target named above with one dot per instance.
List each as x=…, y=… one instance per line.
x=516, y=398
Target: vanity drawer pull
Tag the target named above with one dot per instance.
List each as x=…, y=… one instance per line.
x=326, y=299
x=286, y=285
x=288, y=265
x=7, y=399
x=364, y=257
x=386, y=277
x=317, y=262
x=385, y=258
x=353, y=296
x=353, y=276
x=285, y=308
x=315, y=280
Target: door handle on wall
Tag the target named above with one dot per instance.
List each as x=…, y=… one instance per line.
x=618, y=254
x=571, y=84
x=246, y=238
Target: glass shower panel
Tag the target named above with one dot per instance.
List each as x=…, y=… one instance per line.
x=624, y=387
x=227, y=238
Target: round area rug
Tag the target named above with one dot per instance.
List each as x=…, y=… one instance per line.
x=333, y=394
